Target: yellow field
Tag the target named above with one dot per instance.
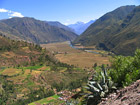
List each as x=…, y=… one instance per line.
x=8, y=54
x=11, y=71
x=83, y=59
x=72, y=56
x=62, y=47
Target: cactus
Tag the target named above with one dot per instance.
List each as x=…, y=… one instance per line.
x=100, y=88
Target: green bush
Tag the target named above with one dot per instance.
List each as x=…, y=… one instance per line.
x=125, y=70
x=99, y=86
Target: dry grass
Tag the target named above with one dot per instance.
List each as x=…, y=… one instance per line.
x=17, y=79
x=60, y=47
x=76, y=57
x=83, y=59
x=34, y=72
x=44, y=68
x=8, y=54
x=27, y=71
x=11, y=71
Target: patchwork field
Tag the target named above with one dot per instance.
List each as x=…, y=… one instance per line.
x=40, y=81
x=66, y=54
x=53, y=100
x=83, y=59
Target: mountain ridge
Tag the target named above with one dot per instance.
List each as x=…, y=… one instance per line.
x=107, y=26
x=35, y=31
x=60, y=25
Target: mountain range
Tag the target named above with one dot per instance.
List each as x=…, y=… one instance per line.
x=60, y=25
x=35, y=31
x=117, y=31
x=80, y=27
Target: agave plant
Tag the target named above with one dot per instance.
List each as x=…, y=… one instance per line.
x=101, y=87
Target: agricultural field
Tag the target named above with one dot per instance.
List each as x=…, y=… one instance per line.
x=40, y=81
x=83, y=59
x=66, y=54
x=53, y=100
x=61, y=47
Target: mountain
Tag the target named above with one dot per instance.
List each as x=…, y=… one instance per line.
x=105, y=28
x=58, y=24
x=80, y=27
x=127, y=40
x=33, y=30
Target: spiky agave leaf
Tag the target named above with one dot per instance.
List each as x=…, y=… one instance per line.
x=94, y=88
x=103, y=77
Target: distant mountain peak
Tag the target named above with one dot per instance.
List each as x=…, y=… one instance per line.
x=79, y=27
x=79, y=22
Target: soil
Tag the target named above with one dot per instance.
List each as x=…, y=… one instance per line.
x=126, y=96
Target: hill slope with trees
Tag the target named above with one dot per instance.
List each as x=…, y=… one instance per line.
x=29, y=73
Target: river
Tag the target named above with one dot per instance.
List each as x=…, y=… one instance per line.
x=90, y=51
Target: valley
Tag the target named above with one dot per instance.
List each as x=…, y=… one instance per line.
x=77, y=56
x=45, y=62
x=38, y=73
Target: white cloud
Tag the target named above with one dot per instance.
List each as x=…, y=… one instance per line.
x=16, y=14
x=3, y=10
x=11, y=13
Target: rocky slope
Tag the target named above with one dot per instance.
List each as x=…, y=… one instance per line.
x=127, y=96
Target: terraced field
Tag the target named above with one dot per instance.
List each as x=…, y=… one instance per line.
x=53, y=100
x=36, y=80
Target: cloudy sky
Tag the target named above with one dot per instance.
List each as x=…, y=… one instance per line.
x=65, y=11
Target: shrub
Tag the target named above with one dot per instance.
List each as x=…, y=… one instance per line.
x=125, y=70
x=99, y=86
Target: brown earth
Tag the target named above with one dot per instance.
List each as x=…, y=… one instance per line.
x=126, y=96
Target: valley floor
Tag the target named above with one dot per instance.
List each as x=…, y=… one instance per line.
x=81, y=58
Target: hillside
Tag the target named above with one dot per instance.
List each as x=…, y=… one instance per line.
x=29, y=73
x=59, y=25
x=104, y=28
x=127, y=40
x=14, y=53
x=80, y=27
x=128, y=95
x=33, y=30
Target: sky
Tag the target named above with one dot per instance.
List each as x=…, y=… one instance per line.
x=64, y=11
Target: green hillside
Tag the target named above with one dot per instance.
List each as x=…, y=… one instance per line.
x=127, y=40
x=103, y=28
x=14, y=53
x=117, y=31
x=33, y=30
x=29, y=73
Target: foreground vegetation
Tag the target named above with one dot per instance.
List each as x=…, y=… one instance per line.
x=40, y=76
x=123, y=72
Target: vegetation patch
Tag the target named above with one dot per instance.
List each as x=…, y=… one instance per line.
x=46, y=100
